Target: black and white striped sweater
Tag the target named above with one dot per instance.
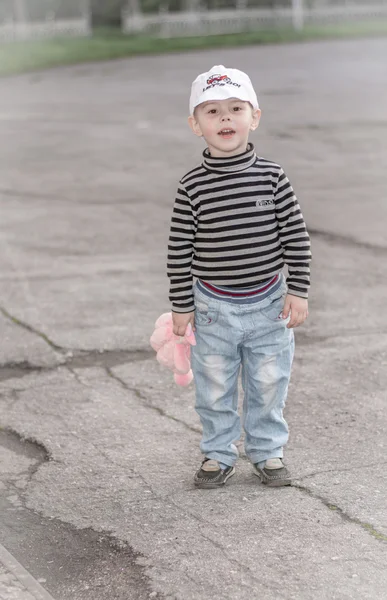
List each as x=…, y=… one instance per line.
x=236, y=221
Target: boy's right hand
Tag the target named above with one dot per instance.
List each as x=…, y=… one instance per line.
x=181, y=322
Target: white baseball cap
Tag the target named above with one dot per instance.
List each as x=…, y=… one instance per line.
x=220, y=84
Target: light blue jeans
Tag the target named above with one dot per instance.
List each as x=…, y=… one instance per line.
x=254, y=339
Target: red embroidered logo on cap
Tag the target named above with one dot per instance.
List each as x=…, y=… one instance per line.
x=218, y=78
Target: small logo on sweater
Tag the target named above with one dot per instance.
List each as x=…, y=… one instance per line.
x=265, y=202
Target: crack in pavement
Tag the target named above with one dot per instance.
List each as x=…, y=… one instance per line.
x=28, y=447
x=77, y=377
x=77, y=359
x=21, y=369
x=368, y=527
x=327, y=471
x=23, y=446
x=31, y=329
x=146, y=403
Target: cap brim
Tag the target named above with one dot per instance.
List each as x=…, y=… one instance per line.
x=223, y=93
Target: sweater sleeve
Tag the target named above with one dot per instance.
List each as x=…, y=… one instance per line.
x=294, y=237
x=180, y=252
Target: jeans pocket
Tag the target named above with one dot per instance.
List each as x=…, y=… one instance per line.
x=206, y=313
x=273, y=310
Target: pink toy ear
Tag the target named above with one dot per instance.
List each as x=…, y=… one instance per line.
x=183, y=380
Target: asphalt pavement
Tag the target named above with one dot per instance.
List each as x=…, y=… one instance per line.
x=98, y=446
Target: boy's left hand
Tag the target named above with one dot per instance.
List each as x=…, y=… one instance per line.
x=297, y=308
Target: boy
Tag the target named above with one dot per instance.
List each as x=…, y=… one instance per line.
x=236, y=222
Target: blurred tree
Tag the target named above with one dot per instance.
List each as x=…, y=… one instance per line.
x=107, y=12
x=134, y=6
x=20, y=11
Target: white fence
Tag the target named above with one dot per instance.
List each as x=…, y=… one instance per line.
x=11, y=31
x=37, y=19
x=242, y=20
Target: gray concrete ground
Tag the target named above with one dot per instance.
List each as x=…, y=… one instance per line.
x=104, y=506
x=16, y=583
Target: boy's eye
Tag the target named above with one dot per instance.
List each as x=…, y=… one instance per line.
x=236, y=108
x=212, y=111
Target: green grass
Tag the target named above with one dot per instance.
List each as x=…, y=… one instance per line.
x=18, y=57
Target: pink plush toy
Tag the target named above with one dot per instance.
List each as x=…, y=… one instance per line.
x=173, y=351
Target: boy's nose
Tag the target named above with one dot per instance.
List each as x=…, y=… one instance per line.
x=225, y=117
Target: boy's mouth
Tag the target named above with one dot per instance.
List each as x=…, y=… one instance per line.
x=226, y=133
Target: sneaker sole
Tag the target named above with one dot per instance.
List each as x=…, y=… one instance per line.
x=212, y=486
x=274, y=483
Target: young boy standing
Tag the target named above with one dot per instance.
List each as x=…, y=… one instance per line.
x=236, y=222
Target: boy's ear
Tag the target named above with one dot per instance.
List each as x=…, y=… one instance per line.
x=256, y=119
x=194, y=125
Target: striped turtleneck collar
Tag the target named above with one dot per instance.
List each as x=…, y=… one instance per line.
x=230, y=164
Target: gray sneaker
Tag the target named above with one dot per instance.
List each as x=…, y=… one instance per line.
x=210, y=475
x=274, y=473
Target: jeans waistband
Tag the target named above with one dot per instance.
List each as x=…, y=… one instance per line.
x=243, y=295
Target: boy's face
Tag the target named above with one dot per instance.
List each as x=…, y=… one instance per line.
x=225, y=125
